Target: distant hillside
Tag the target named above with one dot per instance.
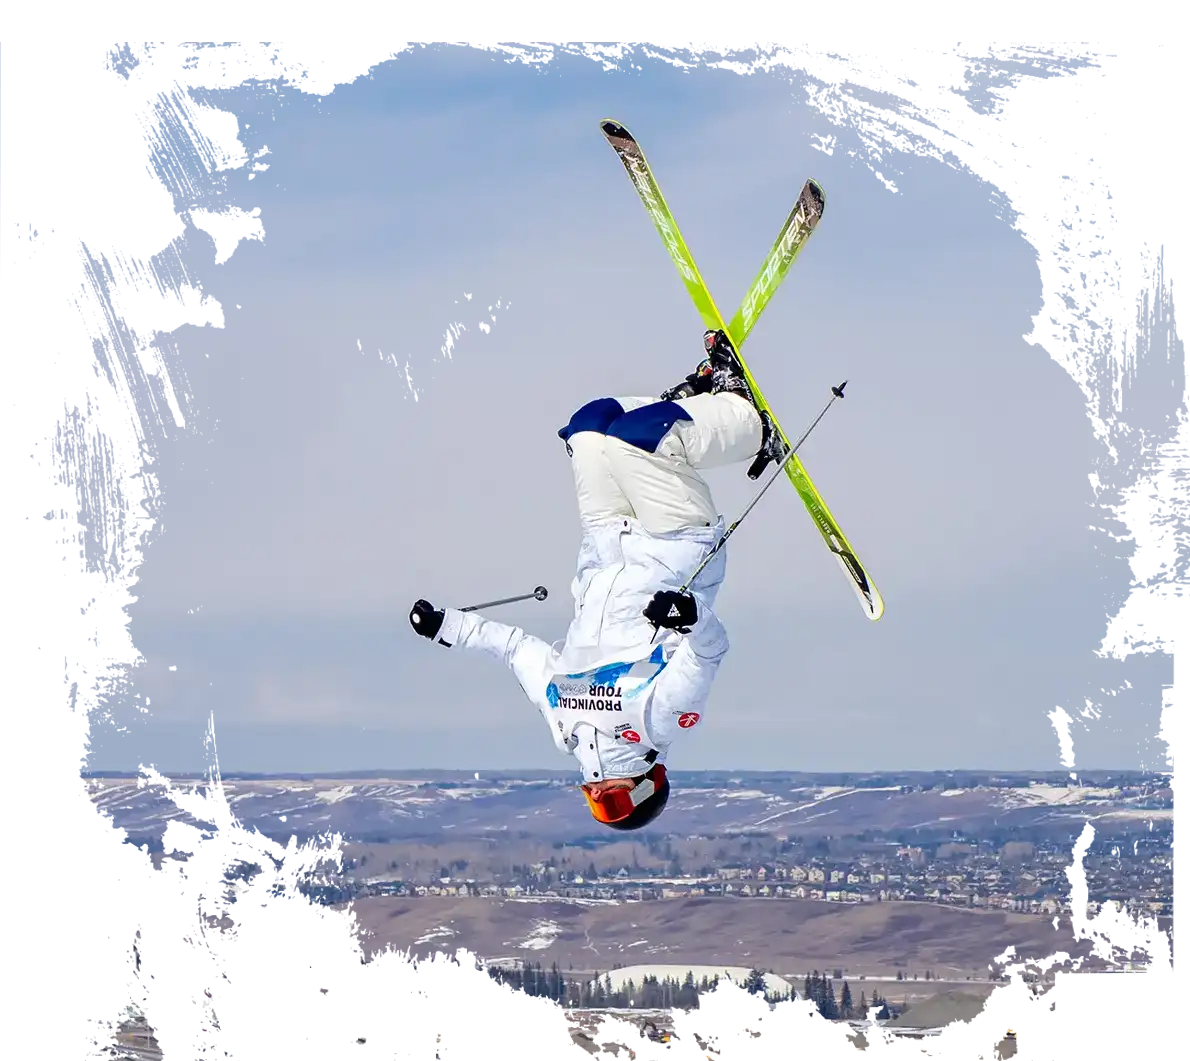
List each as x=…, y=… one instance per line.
x=790, y=937
x=702, y=803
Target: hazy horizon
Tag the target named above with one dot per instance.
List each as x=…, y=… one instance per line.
x=467, y=773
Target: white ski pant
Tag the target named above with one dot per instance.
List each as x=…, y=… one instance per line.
x=640, y=457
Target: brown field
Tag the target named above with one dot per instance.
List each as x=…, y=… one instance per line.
x=777, y=934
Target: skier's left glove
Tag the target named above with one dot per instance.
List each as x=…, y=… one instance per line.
x=699, y=381
x=673, y=610
x=425, y=619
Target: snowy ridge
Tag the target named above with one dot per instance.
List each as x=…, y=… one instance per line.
x=399, y=807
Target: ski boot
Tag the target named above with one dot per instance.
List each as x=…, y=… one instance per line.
x=727, y=377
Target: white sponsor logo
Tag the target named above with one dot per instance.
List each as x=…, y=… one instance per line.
x=661, y=219
x=798, y=229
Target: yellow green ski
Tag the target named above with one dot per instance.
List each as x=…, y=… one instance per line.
x=797, y=229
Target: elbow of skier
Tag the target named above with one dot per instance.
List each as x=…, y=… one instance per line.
x=703, y=633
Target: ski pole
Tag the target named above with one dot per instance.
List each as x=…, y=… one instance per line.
x=540, y=593
x=836, y=392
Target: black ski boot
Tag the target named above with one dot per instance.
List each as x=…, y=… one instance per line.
x=727, y=375
x=772, y=446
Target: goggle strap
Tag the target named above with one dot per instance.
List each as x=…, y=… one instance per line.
x=642, y=791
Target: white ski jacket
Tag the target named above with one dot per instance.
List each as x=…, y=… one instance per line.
x=620, y=567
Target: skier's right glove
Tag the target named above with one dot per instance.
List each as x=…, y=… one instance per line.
x=425, y=619
x=673, y=610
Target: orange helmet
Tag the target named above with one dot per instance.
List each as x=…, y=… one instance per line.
x=631, y=808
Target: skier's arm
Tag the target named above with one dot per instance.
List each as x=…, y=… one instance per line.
x=685, y=683
x=528, y=657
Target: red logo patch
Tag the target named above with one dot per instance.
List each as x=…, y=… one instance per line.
x=631, y=736
x=688, y=719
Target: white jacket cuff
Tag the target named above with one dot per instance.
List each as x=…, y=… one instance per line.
x=451, y=629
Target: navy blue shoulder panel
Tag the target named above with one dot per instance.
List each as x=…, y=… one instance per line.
x=645, y=427
x=597, y=416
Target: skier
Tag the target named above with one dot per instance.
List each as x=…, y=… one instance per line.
x=639, y=656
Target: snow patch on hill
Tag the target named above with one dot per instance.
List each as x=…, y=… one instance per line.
x=1055, y=795
x=567, y=900
x=438, y=932
x=543, y=934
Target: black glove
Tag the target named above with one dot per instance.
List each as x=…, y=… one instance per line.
x=699, y=381
x=673, y=610
x=425, y=620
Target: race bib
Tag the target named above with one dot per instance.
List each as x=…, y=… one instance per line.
x=604, y=688
x=610, y=697
x=578, y=692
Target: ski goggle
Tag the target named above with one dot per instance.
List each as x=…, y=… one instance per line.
x=616, y=804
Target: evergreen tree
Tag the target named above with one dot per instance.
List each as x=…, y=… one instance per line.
x=791, y=1005
x=754, y=982
x=863, y=1005
x=649, y=992
x=830, y=1005
x=813, y=989
x=879, y=1007
x=845, y=1005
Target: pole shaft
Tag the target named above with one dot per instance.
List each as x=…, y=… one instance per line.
x=760, y=493
x=494, y=603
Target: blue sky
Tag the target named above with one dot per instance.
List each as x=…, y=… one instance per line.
x=313, y=499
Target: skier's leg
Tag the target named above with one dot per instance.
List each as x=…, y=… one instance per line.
x=724, y=429
x=600, y=498
x=654, y=451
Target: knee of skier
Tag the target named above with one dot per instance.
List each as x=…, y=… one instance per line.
x=597, y=416
x=645, y=427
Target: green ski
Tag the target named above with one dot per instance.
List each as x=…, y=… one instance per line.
x=794, y=233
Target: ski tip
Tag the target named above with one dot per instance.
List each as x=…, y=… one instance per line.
x=813, y=191
x=875, y=605
x=612, y=128
x=869, y=596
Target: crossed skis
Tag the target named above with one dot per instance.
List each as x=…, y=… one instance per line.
x=793, y=235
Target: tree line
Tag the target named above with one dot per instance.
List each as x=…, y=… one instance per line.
x=597, y=992
x=820, y=990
